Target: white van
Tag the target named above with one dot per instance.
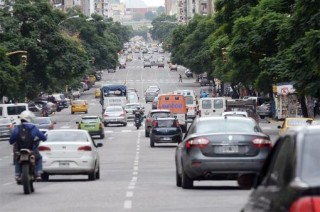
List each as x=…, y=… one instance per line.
x=12, y=111
x=213, y=106
x=191, y=102
x=133, y=97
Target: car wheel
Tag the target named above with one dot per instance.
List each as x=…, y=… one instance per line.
x=86, y=112
x=262, y=117
x=105, y=124
x=186, y=182
x=178, y=178
x=98, y=173
x=146, y=133
x=102, y=136
x=151, y=142
x=44, y=176
x=125, y=124
x=92, y=176
x=72, y=112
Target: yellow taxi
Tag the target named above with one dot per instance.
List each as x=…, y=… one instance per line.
x=290, y=123
x=79, y=106
x=92, y=79
x=97, y=93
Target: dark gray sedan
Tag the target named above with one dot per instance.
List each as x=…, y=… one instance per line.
x=150, y=95
x=220, y=148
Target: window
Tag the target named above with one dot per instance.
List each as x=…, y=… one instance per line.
x=279, y=164
x=206, y=104
x=15, y=110
x=189, y=100
x=0, y=111
x=218, y=103
x=165, y=123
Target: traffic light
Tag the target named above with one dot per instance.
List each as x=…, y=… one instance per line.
x=24, y=59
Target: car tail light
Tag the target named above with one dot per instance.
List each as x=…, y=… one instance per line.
x=199, y=142
x=261, y=142
x=122, y=114
x=105, y=115
x=148, y=119
x=310, y=204
x=85, y=148
x=154, y=124
x=10, y=126
x=44, y=148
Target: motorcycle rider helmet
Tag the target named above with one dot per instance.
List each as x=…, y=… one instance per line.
x=27, y=116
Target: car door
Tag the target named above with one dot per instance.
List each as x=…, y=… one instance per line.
x=206, y=107
x=271, y=189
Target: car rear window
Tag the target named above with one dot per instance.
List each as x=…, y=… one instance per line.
x=310, y=172
x=166, y=123
x=160, y=115
x=113, y=109
x=66, y=136
x=227, y=125
x=218, y=103
x=89, y=120
x=189, y=100
x=206, y=104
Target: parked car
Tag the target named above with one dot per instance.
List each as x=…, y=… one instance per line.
x=188, y=73
x=291, y=123
x=93, y=124
x=212, y=142
x=60, y=100
x=205, y=81
x=6, y=127
x=165, y=130
x=44, y=123
x=50, y=107
x=79, y=106
x=264, y=110
x=70, y=152
x=115, y=115
x=112, y=70
x=289, y=179
x=76, y=93
x=122, y=64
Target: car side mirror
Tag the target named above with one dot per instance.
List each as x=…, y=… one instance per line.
x=99, y=145
x=247, y=180
x=279, y=127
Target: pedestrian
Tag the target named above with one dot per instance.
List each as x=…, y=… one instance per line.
x=180, y=78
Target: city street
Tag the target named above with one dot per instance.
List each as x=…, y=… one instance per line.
x=134, y=177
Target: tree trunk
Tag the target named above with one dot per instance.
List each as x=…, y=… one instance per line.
x=304, y=108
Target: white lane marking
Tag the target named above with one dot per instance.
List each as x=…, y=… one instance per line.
x=132, y=183
x=134, y=178
x=65, y=127
x=127, y=204
x=108, y=131
x=6, y=184
x=126, y=130
x=129, y=194
x=135, y=168
x=130, y=187
x=134, y=173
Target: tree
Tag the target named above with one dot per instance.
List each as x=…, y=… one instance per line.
x=161, y=10
x=150, y=15
x=137, y=17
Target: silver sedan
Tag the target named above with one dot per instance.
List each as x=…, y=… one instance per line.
x=220, y=148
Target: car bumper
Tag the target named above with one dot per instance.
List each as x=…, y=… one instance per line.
x=115, y=120
x=79, y=110
x=63, y=166
x=198, y=168
x=166, y=138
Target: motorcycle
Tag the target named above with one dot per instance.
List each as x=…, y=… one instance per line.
x=27, y=161
x=137, y=122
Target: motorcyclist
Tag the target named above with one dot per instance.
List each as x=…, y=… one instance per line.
x=138, y=114
x=26, y=118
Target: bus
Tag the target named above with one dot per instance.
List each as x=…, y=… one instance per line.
x=113, y=95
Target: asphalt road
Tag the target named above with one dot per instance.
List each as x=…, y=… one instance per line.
x=134, y=177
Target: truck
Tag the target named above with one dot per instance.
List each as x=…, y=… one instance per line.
x=247, y=105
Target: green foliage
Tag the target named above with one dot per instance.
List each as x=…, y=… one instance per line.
x=162, y=27
x=150, y=15
x=137, y=16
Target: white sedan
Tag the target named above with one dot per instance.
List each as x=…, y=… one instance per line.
x=70, y=152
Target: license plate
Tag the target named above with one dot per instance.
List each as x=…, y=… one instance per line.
x=230, y=149
x=24, y=157
x=166, y=139
x=64, y=164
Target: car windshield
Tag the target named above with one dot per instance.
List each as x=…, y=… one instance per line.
x=160, y=115
x=227, y=125
x=89, y=120
x=74, y=136
x=166, y=123
x=113, y=109
x=152, y=94
x=310, y=172
x=78, y=102
x=42, y=120
x=189, y=100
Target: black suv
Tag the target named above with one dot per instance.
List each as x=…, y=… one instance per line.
x=165, y=130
